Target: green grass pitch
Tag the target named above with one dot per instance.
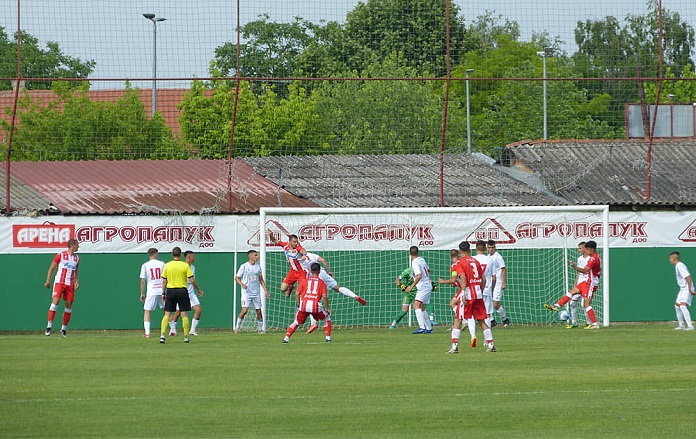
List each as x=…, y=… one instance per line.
x=624, y=381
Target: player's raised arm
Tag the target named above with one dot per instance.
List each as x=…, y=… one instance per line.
x=272, y=237
x=325, y=263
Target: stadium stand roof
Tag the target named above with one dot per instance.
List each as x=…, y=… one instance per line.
x=145, y=186
x=400, y=181
x=612, y=172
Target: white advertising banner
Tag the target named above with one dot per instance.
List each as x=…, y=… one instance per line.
x=135, y=234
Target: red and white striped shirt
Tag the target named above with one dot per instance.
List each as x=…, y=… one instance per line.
x=293, y=255
x=310, y=298
x=67, y=268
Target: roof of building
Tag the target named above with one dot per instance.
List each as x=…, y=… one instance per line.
x=150, y=186
x=167, y=101
x=21, y=194
x=398, y=181
x=612, y=172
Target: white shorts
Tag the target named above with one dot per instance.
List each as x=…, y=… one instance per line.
x=193, y=298
x=684, y=296
x=423, y=296
x=328, y=280
x=488, y=300
x=152, y=302
x=253, y=302
x=498, y=294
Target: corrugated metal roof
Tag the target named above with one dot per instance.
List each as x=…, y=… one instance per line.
x=614, y=172
x=23, y=198
x=152, y=186
x=397, y=181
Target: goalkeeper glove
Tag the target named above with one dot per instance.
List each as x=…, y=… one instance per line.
x=434, y=286
x=402, y=287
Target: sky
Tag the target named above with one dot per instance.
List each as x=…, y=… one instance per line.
x=115, y=34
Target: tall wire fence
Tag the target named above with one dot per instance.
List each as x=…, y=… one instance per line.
x=229, y=79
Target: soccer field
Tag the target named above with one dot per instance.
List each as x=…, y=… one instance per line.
x=623, y=381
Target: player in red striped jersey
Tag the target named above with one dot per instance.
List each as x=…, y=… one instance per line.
x=293, y=252
x=65, y=264
x=312, y=299
x=456, y=303
x=587, y=284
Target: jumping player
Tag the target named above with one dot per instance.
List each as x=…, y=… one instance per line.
x=587, y=287
x=421, y=281
x=64, y=285
x=313, y=300
x=250, y=278
x=573, y=296
x=151, y=275
x=293, y=252
x=307, y=260
x=686, y=292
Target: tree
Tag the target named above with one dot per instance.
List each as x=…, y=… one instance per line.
x=72, y=127
x=38, y=63
x=393, y=117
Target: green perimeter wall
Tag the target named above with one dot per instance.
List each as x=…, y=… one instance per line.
x=643, y=288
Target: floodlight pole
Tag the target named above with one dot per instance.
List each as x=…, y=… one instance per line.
x=548, y=51
x=468, y=113
x=154, y=21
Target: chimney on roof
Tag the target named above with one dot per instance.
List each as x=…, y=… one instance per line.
x=21, y=84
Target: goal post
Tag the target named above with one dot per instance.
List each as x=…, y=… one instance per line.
x=367, y=248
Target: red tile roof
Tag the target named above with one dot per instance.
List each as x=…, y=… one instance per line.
x=152, y=186
x=167, y=101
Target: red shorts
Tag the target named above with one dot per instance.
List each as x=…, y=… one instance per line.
x=294, y=276
x=67, y=292
x=475, y=308
x=301, y=316
x=586, y=290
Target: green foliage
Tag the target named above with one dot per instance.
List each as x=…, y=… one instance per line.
x=683, y=89
x=73, y=127
x=50, y=62
x=266, y=123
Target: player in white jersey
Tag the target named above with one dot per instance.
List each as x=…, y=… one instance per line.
x=151, y=276
x=500, y=285
x=331, y=284
x=424, y=286
x=65, y=264
x=250, y=278
x=194, y=293
x=686, y=292
x=574, y=295
x=490, y=270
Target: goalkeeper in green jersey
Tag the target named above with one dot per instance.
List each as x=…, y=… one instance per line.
x=403, y=281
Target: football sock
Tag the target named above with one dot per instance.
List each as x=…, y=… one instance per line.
x=680, y=316
x=346, y=292
x=400, y=316
x=194, y=325
x=419, y=318
x=488, y=322
x=563, y=300
x=67, y=313
x=574, y=311
x=471, y=323
x=187, y=325
x=431, y=312
x=260, y=324
x=327, y=327
x=426, y=321
x=147, y=327
x=501, y=313
x=172, y=325
x=51, y=314
x=239, y=323
x=687, y=315
x=291, y=329
x=488, y=335
x=455, y=337
x=591, y=315
x=165, y=323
